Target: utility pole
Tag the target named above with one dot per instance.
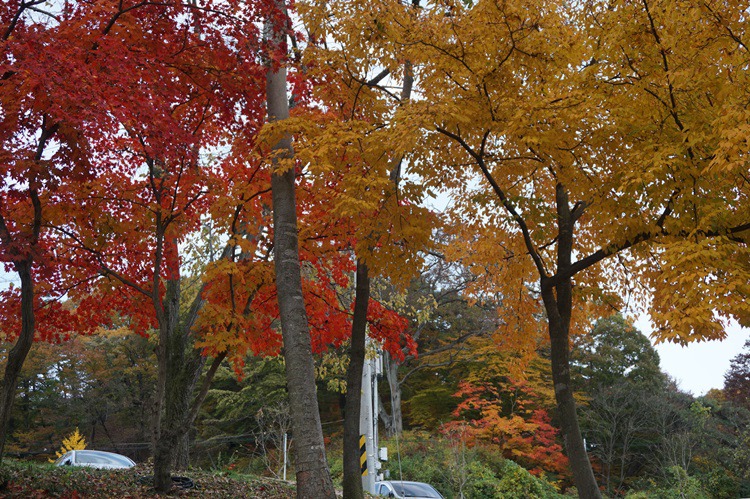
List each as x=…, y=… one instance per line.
x=368, y=419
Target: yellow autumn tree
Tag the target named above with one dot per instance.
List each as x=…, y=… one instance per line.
x=74, y=441
x=340, y=141
x=593, y=151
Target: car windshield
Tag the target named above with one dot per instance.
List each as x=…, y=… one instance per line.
x=62, y=458
x=415, y=490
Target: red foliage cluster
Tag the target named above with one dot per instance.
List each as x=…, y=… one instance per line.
x=390, y=329
x=94, y=95
x=132, y=124
x=508, y=413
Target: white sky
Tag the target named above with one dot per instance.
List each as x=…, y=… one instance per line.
x=698, y=367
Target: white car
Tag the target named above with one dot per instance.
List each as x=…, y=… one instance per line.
x=404, y=490
x=95, y=459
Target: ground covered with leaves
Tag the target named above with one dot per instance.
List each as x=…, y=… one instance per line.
x=34, y=480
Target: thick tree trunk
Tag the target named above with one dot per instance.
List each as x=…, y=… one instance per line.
x=172, y=447
x=175, y=402
x=158, y=402
x=181, y=403
x=182, y=453
x=352, y=409
x=181, y=365
x=19, y=352
x=313, y=476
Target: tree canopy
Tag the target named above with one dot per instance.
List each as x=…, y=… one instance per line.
x=238, y=179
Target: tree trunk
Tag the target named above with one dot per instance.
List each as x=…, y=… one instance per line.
x=391, y=374
x=184, y=365
x=352, y=473
x=313, y=476
x=172, y=448
x=181, y=365
x=385, y=418
x=170, y=355
x=158, y=402
x=583, y=476
x=182, y=453
x=558, y=303
x=24, y=267
x=18, y=353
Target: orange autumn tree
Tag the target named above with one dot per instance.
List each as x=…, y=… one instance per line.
x=589, y=148
x=509, y=406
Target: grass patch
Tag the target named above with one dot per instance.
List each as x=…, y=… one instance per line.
x=22, y=479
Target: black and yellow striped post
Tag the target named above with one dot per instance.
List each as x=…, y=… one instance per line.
x=363, y=455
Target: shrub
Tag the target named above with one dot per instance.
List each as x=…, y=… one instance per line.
x=517, y=482
x=679, y=486
x=479, y=472
x=721, y=483
x=482, y=482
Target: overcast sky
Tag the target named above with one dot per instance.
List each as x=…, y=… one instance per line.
x=698, y=367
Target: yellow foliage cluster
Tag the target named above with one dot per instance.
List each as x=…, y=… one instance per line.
x=629, y=115
x=74, y=441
